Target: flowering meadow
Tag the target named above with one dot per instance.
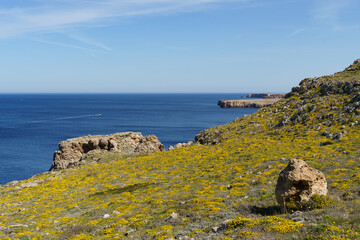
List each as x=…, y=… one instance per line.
x=221, y=187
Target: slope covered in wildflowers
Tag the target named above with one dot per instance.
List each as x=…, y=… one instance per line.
x=220, y=188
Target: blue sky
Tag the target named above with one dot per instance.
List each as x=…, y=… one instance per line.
x=120, y=46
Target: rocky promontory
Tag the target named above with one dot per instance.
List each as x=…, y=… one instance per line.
x=72, y=151
x=247, y=103
x=266, y=95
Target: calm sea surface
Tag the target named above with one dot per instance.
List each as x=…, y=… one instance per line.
x=32, y=125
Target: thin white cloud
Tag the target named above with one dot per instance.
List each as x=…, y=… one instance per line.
x=331, y=12
x=88, y=41
x=64, y=14
x=296, y=32
x=88, y=50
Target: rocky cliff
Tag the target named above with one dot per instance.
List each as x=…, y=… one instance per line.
x=253, y=103
x=266, y=95
x=72, y=151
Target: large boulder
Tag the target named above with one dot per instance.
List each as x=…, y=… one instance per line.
x=71, y=151
x=297, y=182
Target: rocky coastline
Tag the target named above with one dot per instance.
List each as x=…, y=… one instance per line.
x=266, y=95
x=247, y=103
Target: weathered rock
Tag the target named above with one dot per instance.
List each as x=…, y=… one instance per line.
x=247, y=103
x=172, y=217
x=266, y=95
x=207, y=137
x=72, y=151
x=180, y=145
x=354, y=67
x=298, y=182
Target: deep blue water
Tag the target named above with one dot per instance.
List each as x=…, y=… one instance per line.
x=31, y=125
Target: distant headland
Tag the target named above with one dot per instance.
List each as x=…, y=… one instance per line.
x=262, y=100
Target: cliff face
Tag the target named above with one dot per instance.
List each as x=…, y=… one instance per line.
x=266, y=95
x=72, y=151
x=254, y=103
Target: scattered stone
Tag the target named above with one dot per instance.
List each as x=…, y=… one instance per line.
x=185, y=238
x=219, y=229
x=7, y=231
x=72, y=151
x=28, y=184
x=106, y=216
x=298, y=182
x=12, y=183
x=129, y=232
x=116, y=212
x=172, y=217
x=339, y=135
x=297, y=213
x=298, y=219
x=180, y=145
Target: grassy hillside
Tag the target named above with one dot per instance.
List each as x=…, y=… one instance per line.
x=227, y=181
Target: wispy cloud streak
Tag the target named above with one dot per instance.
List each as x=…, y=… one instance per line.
x=332, y=12
x=296, y=32
x=56, y=15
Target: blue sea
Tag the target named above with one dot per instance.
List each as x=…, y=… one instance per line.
x=32, y=125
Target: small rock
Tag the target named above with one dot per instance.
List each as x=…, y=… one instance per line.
x=173, y=216
x=228, y=187
x=13, y=183
x=106, y=216
x=297, y=213
x=28, y=184
x=116, y=212
x=298, y=219
x=219, y=229
x=184, y=238
x=129, y=232
x=7, y=230
x=349, y=197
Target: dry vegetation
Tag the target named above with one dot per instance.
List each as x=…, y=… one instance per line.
x=223, y=189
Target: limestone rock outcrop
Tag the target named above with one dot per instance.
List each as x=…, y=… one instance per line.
x=297, y=182
x=266, y=95
x=180, y=145
x=71, y=151
x=247, y=103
